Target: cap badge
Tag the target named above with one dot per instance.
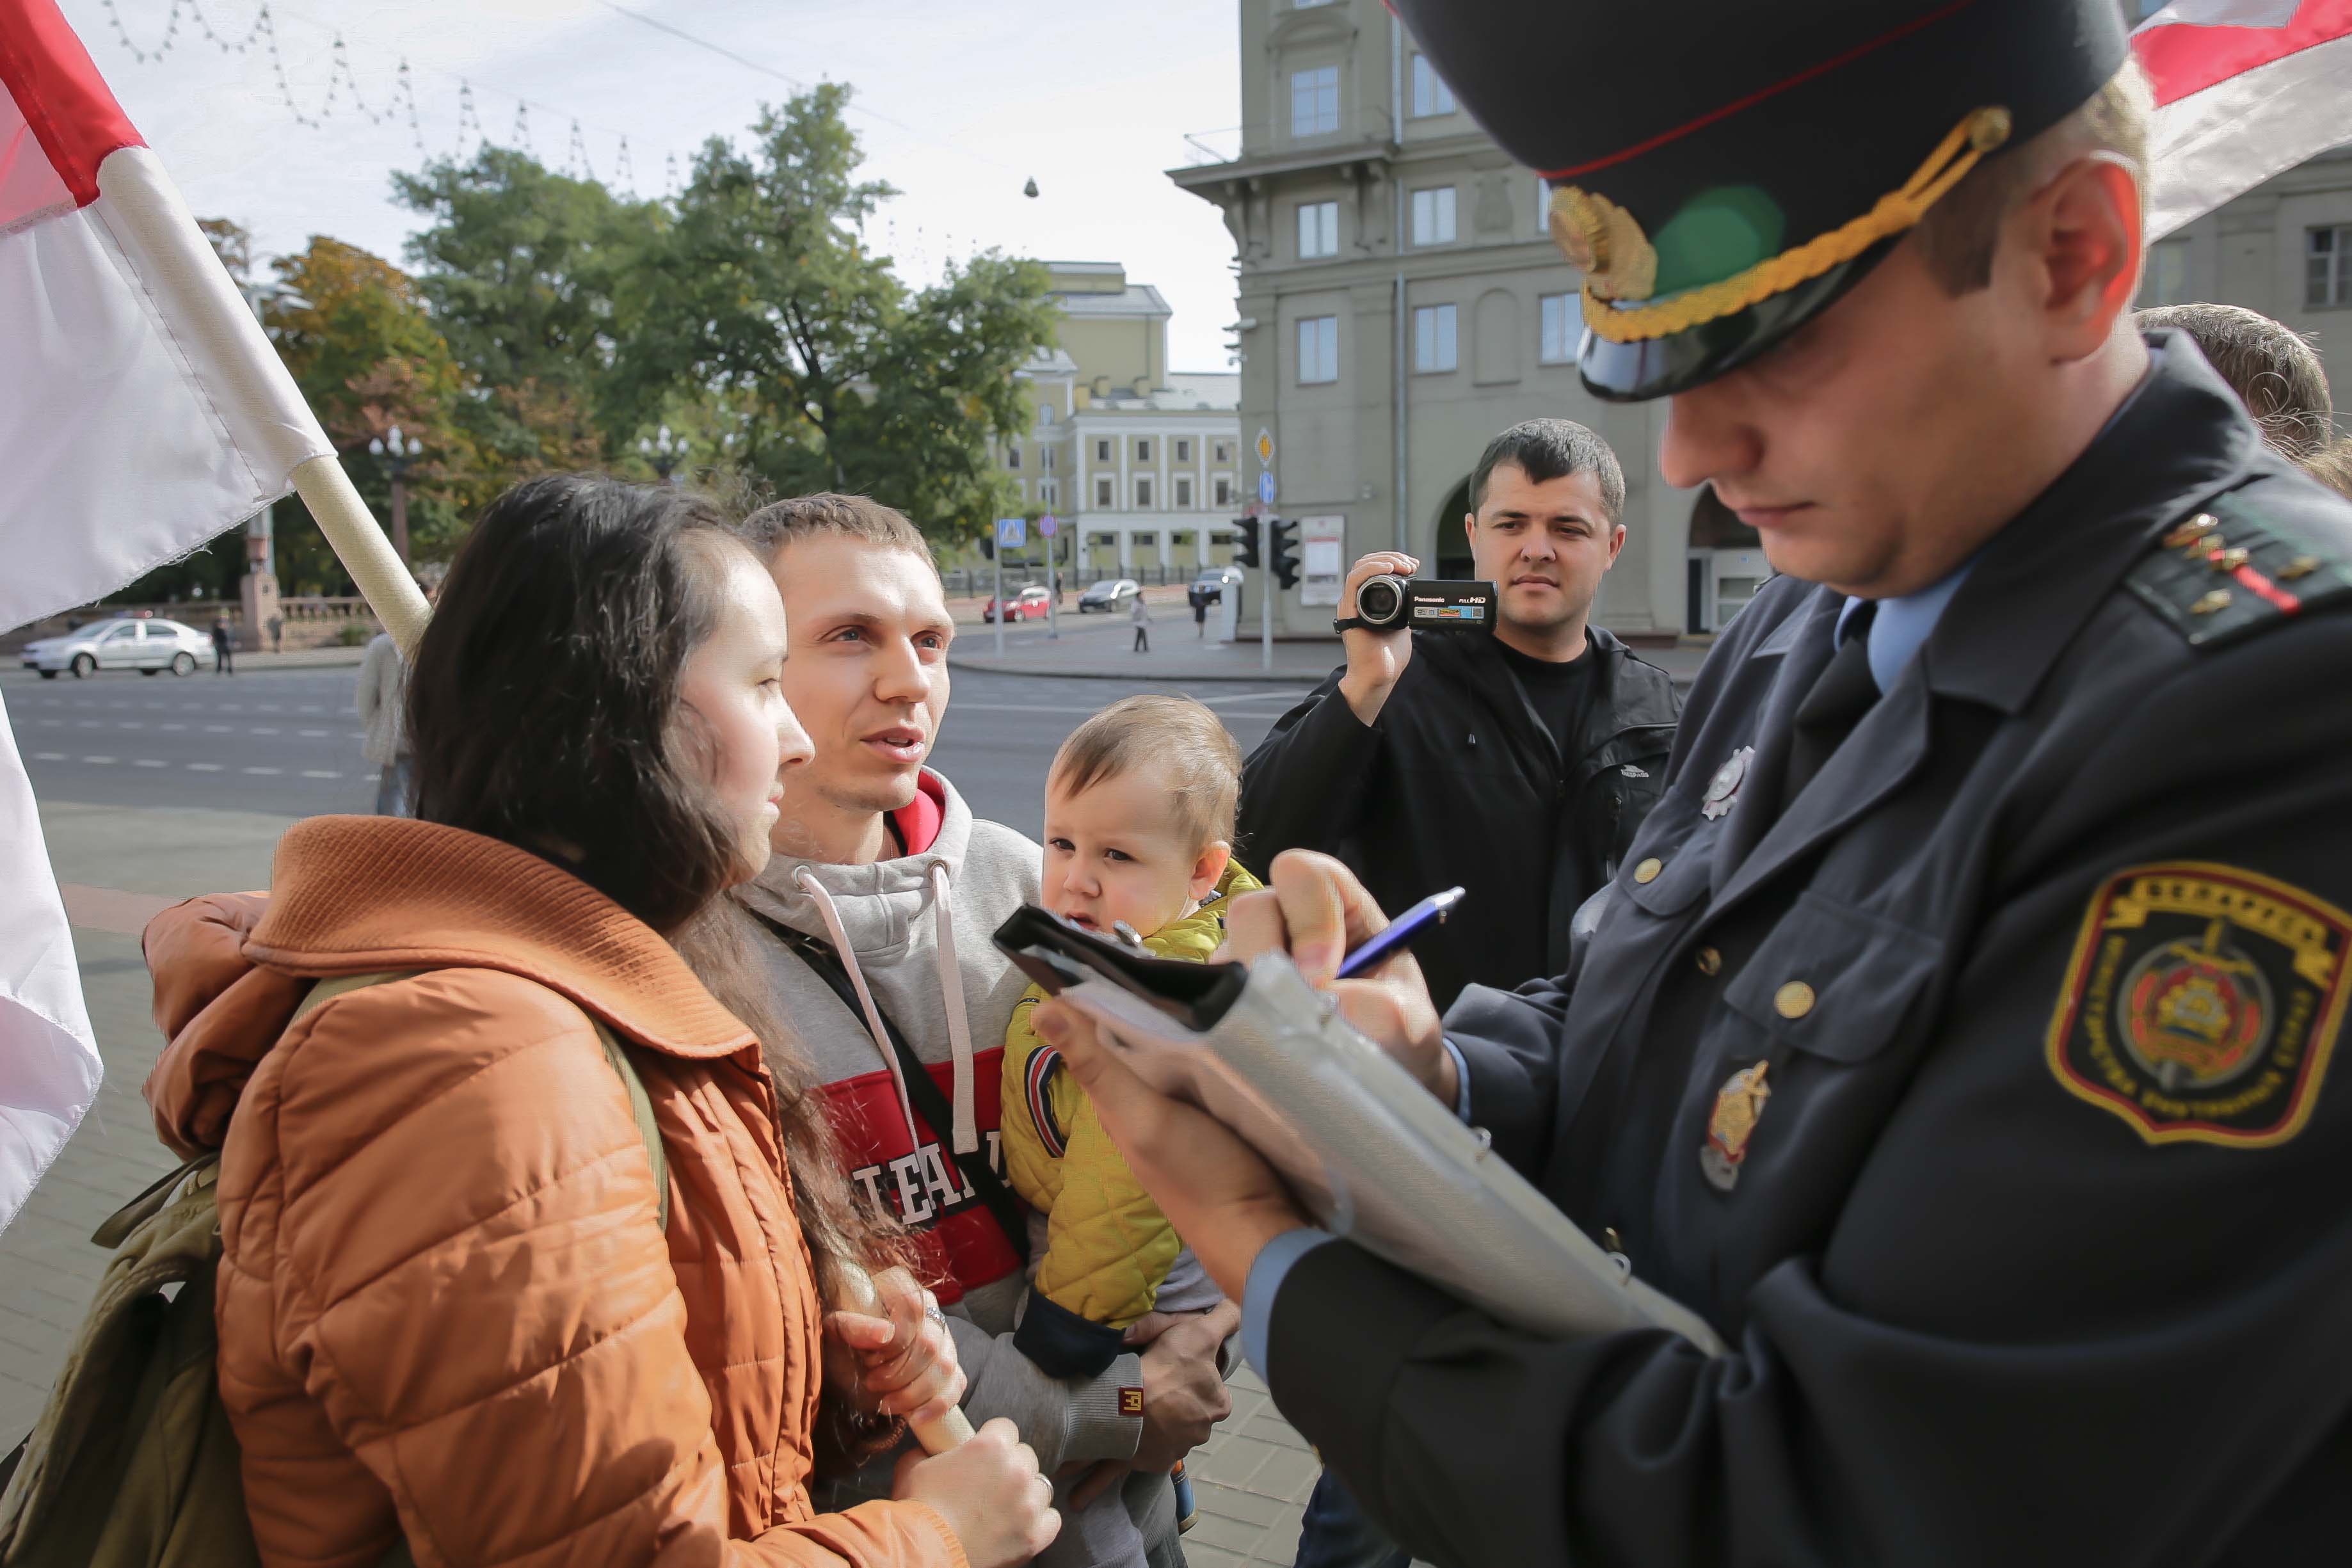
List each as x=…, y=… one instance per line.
x=1602, y=240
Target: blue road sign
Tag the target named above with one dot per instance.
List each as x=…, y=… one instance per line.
x=1265, y=488
x=1011, y=532
x=1049, y=525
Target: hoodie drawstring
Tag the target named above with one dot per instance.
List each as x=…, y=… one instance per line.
x=967, y=1124
x=808, y=884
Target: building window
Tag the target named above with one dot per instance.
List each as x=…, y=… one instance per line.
x=1318, y=350
x=1044, y=414
x=1145, y=540
x=1142, y=493
x=1184, y=451
x=1315, y=102
x=1183, y=494
x=1048, y=493
x=1430, y=93
x=1102, y=492
x=1434, y=343
x=1045, y=459
x=1432, y=217
x=1222, y=451
x=1318, y=229
x=2164, y=280
x=1559, y=334
x=1142, y=450
x=1102, y=451
x=1223, y=488
x=1012, y=457
x=2328, y=266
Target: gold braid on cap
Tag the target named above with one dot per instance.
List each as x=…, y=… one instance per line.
x=1619, y=262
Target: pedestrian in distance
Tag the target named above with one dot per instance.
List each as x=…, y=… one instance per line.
x=224, y=647
x=875, y=913
x=276, y=634
x=1140, y=615
x=1959, y=1037
x=447, y=1262
x=1200, y=597
x=1519, y=766
x=1139, y=840
x=380, y=698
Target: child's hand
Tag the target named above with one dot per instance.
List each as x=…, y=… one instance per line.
x=906, y=1361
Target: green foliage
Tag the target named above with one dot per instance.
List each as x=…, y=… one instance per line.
x=354, y=634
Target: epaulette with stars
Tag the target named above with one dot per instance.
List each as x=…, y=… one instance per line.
x=2232, y=570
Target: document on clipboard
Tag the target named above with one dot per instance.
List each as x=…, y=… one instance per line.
x=1368, y=1150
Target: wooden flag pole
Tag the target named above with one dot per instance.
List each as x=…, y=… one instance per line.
x=360, y=544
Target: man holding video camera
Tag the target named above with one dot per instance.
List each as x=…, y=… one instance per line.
x=1527, y=738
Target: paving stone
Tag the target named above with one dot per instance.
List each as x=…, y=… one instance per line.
x=1207, y=1556
x=1233, y=1535
x=1236, y=1458
x=1232, y=1502
x=1288, y=1474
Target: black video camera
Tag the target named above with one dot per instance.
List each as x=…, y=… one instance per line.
x=1387, y=604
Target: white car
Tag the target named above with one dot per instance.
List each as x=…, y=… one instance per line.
x=148, y=646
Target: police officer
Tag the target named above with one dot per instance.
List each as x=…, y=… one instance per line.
x=1959, y=1042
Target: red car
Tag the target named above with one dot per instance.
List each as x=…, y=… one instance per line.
x=1028, y=605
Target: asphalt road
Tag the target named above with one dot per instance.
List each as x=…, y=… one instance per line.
x=287, y=742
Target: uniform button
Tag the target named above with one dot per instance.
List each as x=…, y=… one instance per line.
x=1647, y=872
x=1793, y=1000
x=1710, y=960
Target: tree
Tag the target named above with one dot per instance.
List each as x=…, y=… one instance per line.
x=367, y=356
x=519, y=266
x=763, y=295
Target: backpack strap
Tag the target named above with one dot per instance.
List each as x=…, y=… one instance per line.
x=641, y=1105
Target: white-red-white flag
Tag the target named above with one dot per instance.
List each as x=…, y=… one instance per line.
x=2244, y=88
x=142, y=413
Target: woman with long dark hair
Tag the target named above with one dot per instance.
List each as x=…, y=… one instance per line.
x=454, y=1307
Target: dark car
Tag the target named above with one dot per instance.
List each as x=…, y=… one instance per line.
x=1112, y=595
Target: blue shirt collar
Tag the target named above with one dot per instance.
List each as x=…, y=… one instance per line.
x=1902, y=625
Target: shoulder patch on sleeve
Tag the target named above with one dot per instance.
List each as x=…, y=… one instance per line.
x=2201, y=1004
x=2233, y=570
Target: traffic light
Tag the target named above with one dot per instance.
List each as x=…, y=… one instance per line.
x=988, y=545
x=1282, y=553
x=1246, y=552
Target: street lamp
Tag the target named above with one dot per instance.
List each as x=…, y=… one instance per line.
x=399, y=454
x=664, y=451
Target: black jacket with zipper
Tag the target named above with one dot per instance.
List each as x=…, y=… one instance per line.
x=1460, y=782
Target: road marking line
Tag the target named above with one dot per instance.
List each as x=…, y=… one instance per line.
x=319, y=773
x=130, y=725
x=205, y=768
x=314, y=734
x=171, y=726
x=262, y=770
x=98, y=759
x=48, y=756
x=261, y=732
x=147, y=762
x=217, y=729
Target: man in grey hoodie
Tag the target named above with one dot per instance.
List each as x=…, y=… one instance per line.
x=878, y=906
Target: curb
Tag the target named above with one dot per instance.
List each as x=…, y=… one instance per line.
x=1260, y=678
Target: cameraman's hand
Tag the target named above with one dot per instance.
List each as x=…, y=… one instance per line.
x=1315, y=909
x=989, y=1492
x=1376, y=660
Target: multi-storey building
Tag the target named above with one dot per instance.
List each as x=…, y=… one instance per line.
x=1141, y=464
x=1401, y=302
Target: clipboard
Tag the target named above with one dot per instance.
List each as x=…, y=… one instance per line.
x=1369, y=1151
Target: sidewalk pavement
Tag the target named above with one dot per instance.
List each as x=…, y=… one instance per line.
x=1092, y=650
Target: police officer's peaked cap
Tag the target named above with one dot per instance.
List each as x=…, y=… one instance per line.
x=1723, y=170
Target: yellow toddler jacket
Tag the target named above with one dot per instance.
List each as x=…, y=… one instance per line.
x=1108, y=1247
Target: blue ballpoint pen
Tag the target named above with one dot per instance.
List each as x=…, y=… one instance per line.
x=1401, y=933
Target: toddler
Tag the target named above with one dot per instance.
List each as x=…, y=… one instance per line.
x=1139, y=833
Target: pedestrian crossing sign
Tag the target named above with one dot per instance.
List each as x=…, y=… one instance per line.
x=1011, y=532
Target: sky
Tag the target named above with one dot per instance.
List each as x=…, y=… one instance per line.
x=957, y=105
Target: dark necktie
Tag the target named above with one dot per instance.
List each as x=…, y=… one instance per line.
x=1841, y=695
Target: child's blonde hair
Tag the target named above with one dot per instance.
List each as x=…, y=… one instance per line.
x=1202, y=763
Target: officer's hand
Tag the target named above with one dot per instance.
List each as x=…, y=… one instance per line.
x=1375, y=660
x=1314, y=910
x=1221, y=1196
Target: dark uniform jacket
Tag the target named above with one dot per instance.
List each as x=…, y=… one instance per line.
x=2040, y=1250
x=1460, y=781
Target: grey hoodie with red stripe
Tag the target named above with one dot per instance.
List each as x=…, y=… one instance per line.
x=914, y=934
